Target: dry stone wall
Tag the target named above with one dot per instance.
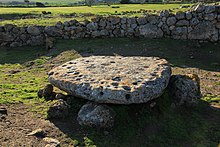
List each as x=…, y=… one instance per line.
x=201, y=23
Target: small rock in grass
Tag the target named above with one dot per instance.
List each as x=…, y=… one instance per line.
x=14, y=71
x=48, y=90
x=51, y=142
x=3, y=110
x=40, y=93
x=37, y=133
x=51, y=145
x=153, y=104
x=59, y=109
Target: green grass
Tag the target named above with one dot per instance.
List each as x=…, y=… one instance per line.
x=99, y=9
x=45, y=1
x=12, y=13
x=136, y=125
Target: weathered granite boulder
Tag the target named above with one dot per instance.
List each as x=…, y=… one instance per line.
x=164, y=13
x=182, y=23
x=185, y=89
x=33, y=30
x=141, y=20
x=204, y=31
x=9, y=27
x=113, y=79
x=96, y=115
x=150, y=31
x=59, y=109
x=52, y=31
x=209, y=9
x=171, y=21
x=179, y=33
x=210, y=16
x=180, y=15
x=59, y=25
x=92, y=26
x=2, y=29
x=188, y=15
x=6, y=37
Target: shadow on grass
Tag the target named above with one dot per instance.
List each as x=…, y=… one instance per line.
x=178, y=52
x=14, y=16
x=140, y=125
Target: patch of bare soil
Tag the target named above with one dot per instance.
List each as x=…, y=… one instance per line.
x=19, y=122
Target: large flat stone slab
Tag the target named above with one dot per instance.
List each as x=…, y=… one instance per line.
x=113, y=79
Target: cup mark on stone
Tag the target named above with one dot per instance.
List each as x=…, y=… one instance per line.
x=76, y=73
x=134, y=83
x=126, y=88
x=50, y=73
x=78, y=79
x=101, y=93
x=112, y=61
x=127, y=96
x=114, y=84
x=64, y=65
x=70, y=72
x=116, y=79
x=72, y=62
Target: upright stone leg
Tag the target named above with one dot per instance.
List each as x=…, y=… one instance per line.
x=96, y=115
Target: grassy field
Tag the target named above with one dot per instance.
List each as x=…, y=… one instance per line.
x=10, y=14
x=24, y=70
x=45, y=1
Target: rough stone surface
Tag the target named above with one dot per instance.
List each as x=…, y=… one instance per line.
x=181, y=23
x=37, y=132
x=47, y=91
x=209, y=9
x=59, y=109
x=150, y=31
x=188, y=15
x=113, y=79
x=96, y=115
x=179, y=33
x=185, y=89
x=33, y=30
x=171, y=21
x=51, y=142
x=180, y=15
x=204, y=31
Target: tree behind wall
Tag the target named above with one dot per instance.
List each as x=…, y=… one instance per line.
x=89, y=2
x=125, y=1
